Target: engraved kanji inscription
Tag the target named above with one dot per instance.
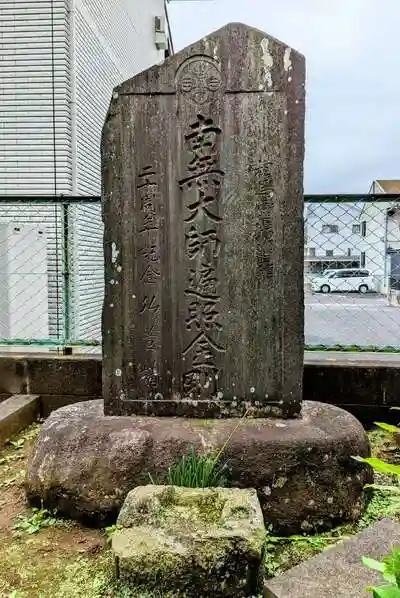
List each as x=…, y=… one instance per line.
x=150, y=274
x=263, y=189
x=202, y=143
x=203, y=280
x=200, y=242
x=204, y=197
x=149, y=303
x=146, y=178
x=149, y=215
x=149, y=267
x=203, y=314
x=203, y=373
x=152, y=335
x=203, y=180
x=148, y=192
x=201, y=189
x=148, y=378
x=150, y=252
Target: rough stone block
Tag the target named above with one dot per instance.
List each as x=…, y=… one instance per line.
x=16, y=413
x=191, y=541
x=338, y=571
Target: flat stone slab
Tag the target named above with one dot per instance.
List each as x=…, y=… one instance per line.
x=191, y=541
x=16, y=413
x=338, y=571
x=84, y=463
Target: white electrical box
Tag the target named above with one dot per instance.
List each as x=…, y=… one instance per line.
x=160, y=34
x=24, y=309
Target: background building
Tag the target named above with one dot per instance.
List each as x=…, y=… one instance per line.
x=60, y=62
x=332, y=237
x=380, y=240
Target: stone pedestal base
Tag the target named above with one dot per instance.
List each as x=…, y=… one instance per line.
x=84, y=463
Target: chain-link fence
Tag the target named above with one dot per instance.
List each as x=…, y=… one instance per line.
x=352, y=272
x=51, y=273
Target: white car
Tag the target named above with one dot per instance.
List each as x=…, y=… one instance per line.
x=326, y=272
x=353, y=279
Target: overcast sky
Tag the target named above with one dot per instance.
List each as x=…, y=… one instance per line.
x=352, y=50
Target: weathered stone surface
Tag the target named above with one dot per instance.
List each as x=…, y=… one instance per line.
x=16, y=413
x=191, y=542
x=84, y=463
x=338, y=572
x=202, y=161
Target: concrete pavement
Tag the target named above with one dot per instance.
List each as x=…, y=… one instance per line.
x=351, y=319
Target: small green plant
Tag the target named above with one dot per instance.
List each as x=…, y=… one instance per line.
x=200, y=471
x=390, y=570
x=196, y=471
x=40, y=519
x=109, y=531
x=17, y=444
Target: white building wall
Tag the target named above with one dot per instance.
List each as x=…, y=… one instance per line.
x=374, y=243
x=60, y=62
x=113, y=40
x=342, y=215
x=35, y=139
x=382, y=233
x=393, y=231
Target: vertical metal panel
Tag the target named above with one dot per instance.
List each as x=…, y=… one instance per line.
x=49, y=216
x=34, y=97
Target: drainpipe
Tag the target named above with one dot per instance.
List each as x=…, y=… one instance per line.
x=385, y=243
x=73, y=95
x=66, y=207
x=171, y=43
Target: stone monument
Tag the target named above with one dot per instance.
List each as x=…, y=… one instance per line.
x=202, y=165
x=203, y=213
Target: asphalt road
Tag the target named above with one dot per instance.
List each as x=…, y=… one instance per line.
x=351, y=319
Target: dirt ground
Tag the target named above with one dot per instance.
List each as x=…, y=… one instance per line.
x=43, y=556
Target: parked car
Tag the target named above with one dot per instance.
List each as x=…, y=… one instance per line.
x=327, y=272
x=352, y=279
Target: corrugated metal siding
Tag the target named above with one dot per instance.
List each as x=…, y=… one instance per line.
x=87, y=280
x=113, y=41
x=35, y=133
x=28, y=87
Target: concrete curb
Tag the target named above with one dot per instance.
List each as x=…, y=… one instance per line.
x=16, y=413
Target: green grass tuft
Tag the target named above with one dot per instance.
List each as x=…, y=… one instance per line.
x=196, y=471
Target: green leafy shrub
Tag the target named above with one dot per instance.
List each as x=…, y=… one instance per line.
x=391, y=470
x=390, y=570
x=390, y=566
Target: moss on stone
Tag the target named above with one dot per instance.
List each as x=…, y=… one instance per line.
x=206, y=541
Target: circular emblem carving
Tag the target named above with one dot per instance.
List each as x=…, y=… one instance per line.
x=198, y=78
